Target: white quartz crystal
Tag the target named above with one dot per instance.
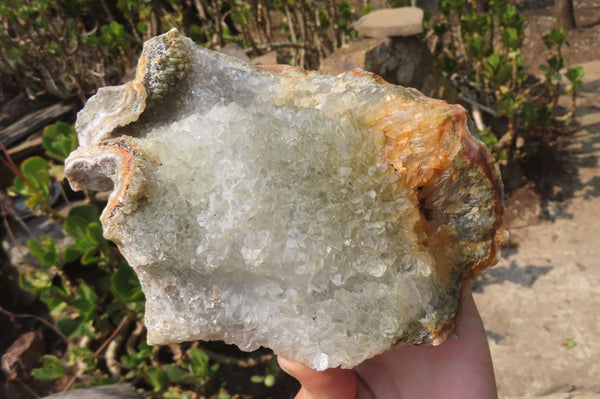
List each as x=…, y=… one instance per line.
x=260, y=207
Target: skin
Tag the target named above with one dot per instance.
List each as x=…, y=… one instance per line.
x=460, y=368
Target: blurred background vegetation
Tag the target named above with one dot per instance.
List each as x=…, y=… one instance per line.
x=72, y=47
x=73, y=310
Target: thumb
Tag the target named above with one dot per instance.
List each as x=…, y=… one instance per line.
x=329, y=384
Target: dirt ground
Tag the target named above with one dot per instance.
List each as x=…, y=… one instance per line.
x=583, y=43
x=541, y=303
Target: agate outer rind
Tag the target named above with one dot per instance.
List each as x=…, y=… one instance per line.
x=392, y=206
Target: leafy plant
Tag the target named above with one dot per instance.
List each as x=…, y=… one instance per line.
x=84, y=226
x=90, y=313
x=52, y=368
x=575, y=76
x=59, y=140
x=200, y=365
x=70, y=49
x=269, y=377
x=555, y=62
x=33, y=182
x=481, y=51
x=45, y=249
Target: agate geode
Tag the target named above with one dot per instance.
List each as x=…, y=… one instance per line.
x=329, y=218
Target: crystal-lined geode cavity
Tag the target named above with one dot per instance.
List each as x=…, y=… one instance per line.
x=329, y=218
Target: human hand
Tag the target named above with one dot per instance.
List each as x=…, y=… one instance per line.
x=459, y=368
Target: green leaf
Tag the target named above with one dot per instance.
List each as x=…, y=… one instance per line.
x=448, y=66
x=19, y=188
x=142, y=27
x=476, y=47
x=36, y=281
x=510, y=18
x=45, y=250
x=510, y=105
x=113, y=37
x=156, y=377
x=129, y=362
x=512, y=39
x=130, y=375
x=445, y=7
x=502, y=155
x=177, y=374
x=172, y=394
x=458, y=4
x=117, y=29
x=56, y=306
x=36, y=171
x=488, y=138
x=257, y=379
x=94, y=233
x=79, y=218
x=85, y=300
x=575, y=75
x=125, y=285
x=57, y=172
x=497, y=70
x=555, y=64
x=72, y=253
x=85, y=355
x=530, y=113
x=59, y=140
x=269, y=380
x=52, y=369
x=472, y=23
x=556, y=38
x=72, y=328
x=83, y=224
x=200, y=363
x=223, y=395
x=89, y=256
x=137, y=359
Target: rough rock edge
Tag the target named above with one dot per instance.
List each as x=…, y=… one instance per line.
x=164, y=62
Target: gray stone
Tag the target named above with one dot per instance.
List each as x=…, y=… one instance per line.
x=235, y=51
x=403, y=61
x=403, y=21
x=349, y=57
x=407, y=61
x=115, y=391
x=269, y=58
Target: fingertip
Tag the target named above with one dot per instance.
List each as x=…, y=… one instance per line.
x=289, y=366
x=335, y=383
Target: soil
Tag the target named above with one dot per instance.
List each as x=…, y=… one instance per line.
x=540, y=303
x=583, y=42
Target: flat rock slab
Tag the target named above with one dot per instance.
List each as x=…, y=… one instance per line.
x=115, y=391
x=349, y=57
x=565, y=395
x=403, y=21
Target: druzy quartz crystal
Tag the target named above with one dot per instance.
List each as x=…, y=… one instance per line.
x=329, y=218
